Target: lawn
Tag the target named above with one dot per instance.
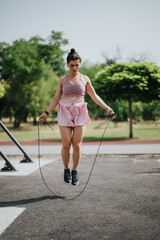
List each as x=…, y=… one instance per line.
x=94, y=131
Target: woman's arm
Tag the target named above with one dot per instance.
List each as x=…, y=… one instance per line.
x=91, y=91
x=54, y=101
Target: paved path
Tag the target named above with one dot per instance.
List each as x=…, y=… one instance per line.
x=127, y=147
x=121, y=202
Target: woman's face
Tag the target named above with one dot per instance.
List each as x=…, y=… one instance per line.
x=74, y=66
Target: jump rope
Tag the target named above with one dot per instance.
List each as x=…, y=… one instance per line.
x=41, y=173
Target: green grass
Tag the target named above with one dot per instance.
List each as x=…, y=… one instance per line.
x=94, y=131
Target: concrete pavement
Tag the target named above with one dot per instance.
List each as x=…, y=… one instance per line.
x=121, y=201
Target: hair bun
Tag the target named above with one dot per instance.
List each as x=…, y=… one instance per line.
x=73, y=55
x=73, y=50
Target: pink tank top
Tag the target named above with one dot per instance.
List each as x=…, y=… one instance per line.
x=73, y=89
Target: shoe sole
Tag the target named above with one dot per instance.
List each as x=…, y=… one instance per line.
x=67, y=181
x=75, y=184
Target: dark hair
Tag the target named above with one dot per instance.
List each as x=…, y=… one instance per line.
x=73, y=55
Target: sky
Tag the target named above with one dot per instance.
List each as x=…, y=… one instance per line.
x=95, y=28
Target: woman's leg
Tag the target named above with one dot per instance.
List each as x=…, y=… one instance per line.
x=66, y=144
x=78, y=133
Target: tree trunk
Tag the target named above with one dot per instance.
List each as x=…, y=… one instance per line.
x=25, y=118
x=130, y=120
x=17, y=122
x=18, y=118
x=34, y=121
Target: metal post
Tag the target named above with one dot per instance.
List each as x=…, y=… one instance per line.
x=9, y=165
x=27, y=157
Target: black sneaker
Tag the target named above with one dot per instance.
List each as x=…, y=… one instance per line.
x=67, y=176
x=75, y=177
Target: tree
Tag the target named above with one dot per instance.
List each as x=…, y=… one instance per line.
x=2, y=90
x=91, y=70
x=27, y=66
x=22, y=71
x=151, y=111
x=111, y=56
x=51, y=51
x=2, y=83
x=43, y=92
x=131, y=82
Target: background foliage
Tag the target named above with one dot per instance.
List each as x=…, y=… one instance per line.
x=30, y=69
x=131, y=82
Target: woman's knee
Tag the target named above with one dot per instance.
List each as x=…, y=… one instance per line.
x=76, y=145
x=66, y=145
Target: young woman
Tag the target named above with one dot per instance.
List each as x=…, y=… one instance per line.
x=72, y=113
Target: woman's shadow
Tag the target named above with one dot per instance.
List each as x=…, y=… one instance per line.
x=28, y=201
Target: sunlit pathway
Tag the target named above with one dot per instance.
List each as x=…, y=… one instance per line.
x=8, y=215
x=153, y=148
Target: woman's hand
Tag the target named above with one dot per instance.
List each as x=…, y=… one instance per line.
x=110, y=111
x=43, y=117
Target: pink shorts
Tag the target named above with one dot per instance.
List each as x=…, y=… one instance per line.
x=72, y=113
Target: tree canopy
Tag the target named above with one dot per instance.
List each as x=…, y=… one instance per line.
x=2, y=90
x=29, y=68
x=129, y=81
